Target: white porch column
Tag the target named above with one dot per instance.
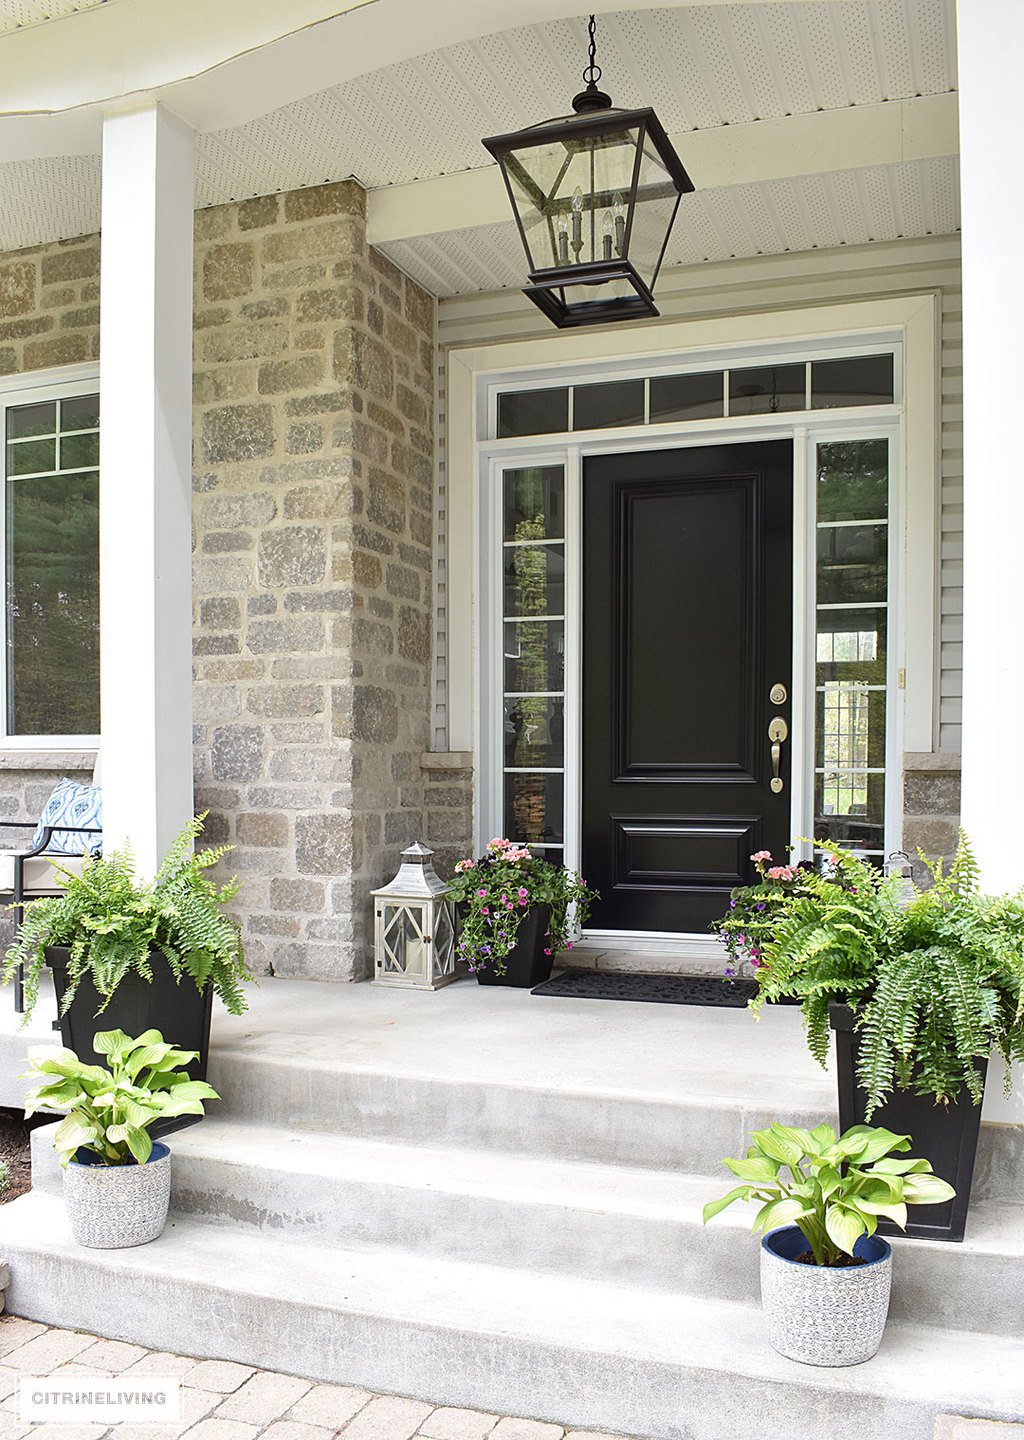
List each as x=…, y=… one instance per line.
x=146, y=480
x=991, y=43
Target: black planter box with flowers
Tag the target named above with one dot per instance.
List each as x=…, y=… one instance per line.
x=515, y=910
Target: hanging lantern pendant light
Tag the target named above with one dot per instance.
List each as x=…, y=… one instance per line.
x=595, y=195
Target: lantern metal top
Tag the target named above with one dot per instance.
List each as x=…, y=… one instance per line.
x=416, y=879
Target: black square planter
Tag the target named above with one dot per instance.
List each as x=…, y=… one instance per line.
x=181, y=1012
x=946, y=1136
x=526, y=964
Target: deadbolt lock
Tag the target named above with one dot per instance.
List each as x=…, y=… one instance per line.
x=778, y=694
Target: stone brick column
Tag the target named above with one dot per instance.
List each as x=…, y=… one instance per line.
x=313, y=566
x=931, y=806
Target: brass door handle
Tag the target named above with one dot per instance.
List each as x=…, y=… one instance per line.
x=778, y=731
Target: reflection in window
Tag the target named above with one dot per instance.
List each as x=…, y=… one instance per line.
x=850, y=644
x=533, y=502
x=51, y=512
x=841, y=647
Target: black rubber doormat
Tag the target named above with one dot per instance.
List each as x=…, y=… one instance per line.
x=655, y=989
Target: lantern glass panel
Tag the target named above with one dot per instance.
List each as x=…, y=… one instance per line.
x=444, y=940
x=403, y=941
x=656, y=200
x=572, y=194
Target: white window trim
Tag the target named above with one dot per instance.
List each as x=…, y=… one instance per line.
x=60, y=383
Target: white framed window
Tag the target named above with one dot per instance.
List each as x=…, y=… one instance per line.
x=49, y=527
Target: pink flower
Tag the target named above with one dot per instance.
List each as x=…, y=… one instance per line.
x=547, y=952
x=510, y=906
x=761, y=855
x=485, y=910
x=481, y=894
x=522, y=902
x=464, y=865
x=568, y=944
x=782, y=872
x=522, y=892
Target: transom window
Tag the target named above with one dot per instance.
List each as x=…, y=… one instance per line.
x=51, y=553
x=826, y=384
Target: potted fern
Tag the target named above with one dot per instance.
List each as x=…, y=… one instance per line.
x=136, y=954
x=919, y=990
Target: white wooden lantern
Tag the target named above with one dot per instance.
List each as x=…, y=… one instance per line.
x=414, y=927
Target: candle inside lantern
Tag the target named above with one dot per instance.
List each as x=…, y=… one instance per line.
x=562, y=229
x=620, y=225
x=607, y=227
x=577, y=222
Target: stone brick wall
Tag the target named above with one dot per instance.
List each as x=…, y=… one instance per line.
x=312, y=566
x=49, y=305
x=931, y=806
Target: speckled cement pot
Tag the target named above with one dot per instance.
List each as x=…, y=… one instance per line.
x=112, y=1207
x=822, y=1316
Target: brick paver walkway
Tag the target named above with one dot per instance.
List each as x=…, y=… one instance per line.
x=224, y=1401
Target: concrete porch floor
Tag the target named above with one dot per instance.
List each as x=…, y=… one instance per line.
x=479, y=1034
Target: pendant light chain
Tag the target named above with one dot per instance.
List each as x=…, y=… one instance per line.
x=592, y=73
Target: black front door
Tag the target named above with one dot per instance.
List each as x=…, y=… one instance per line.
x=687, y=629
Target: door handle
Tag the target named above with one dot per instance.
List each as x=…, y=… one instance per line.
x=778, y=731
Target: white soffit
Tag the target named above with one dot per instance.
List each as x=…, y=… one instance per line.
x=19, y=14
x=812, y=212
x=701, y=67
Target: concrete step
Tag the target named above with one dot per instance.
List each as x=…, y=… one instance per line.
x=692, y=1128
x=611, y=1224
x=602, y=1357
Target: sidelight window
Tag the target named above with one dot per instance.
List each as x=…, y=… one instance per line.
x=533, y=554
x=852, y=616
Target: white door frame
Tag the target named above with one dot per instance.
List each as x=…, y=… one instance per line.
x=474, y=374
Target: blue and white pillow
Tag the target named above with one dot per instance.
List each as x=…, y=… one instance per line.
x=72, y=804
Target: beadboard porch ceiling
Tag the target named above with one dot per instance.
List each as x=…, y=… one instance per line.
x=806, y=125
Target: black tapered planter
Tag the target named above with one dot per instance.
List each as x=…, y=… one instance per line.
x=526, y=964
x=181, y=1012
x=945, y=1135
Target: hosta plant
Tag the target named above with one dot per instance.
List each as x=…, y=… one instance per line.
x=496, y=892
x=109, y=1111
x=112, y=922
x=833, y=1190
x=936, y=982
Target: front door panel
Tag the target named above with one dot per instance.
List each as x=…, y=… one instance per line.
x=687, y=625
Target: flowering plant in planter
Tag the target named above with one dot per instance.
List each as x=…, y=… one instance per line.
x=496, y=893
x=755, y=911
